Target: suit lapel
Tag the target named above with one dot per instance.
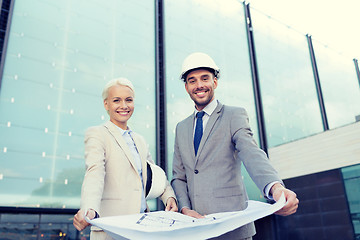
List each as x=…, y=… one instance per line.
x=114, y=131
x=209, y=127
x=190, y=121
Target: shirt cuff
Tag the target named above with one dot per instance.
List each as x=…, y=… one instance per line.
x=96, y=214
x=267, y=189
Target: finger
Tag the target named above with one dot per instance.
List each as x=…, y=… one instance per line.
x=287, y=210
x=289, y=194
x=90, y=214
x=78, y=226
x=173, y=208
x=79, y=216
x=167, y=207
x=76, y=221
x=191, y=213
x=197, y=215
x=285, y=213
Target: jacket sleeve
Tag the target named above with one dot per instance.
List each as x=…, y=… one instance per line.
x=255, y=159
x=168, y=193
x=93, y=184
x=179, y=181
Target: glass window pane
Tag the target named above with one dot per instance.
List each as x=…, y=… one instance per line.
x=351, y=177
x=60, y=55
x=288, y=90
x=222, y=37
x=339, y=84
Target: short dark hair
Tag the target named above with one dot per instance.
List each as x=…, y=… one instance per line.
x=203, y=68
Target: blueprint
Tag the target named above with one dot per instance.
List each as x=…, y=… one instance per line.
x=174, y=225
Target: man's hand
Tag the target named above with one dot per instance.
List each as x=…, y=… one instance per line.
x=171, y=205
x=191, y=213
x=291, y=200
x=79, y=221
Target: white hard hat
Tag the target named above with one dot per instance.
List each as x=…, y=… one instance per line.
x=198, y=60
x=156, y=181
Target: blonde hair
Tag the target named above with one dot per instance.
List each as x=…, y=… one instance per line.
x=114, y=82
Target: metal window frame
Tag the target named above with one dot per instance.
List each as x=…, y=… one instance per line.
x=6, y=37
x=255, y=79
x=356, y=63
x=160, y=86
x=317, y=83
x=31, y=210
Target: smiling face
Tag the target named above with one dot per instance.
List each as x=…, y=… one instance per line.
x=120, y=105
x=200, y=85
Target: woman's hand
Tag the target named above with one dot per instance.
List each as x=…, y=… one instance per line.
x=79, y=221
x=171, y=205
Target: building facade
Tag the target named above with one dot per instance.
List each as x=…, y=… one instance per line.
x=302, y=97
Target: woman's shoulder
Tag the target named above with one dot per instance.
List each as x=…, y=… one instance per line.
x=95, y=130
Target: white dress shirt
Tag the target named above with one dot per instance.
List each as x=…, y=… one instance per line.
x=130, y=142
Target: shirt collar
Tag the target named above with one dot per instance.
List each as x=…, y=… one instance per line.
x=123, y=132
x=210, y=108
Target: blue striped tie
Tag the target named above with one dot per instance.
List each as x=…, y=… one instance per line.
x=198, y=130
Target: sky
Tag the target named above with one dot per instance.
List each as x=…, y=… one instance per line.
x=334, y=23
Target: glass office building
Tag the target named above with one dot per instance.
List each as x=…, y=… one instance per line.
x=58, y=55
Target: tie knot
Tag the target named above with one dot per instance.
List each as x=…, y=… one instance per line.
x=200, y=114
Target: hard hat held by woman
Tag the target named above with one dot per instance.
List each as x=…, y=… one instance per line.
x=199, y=60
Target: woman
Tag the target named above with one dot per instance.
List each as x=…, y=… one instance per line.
x=116, y=164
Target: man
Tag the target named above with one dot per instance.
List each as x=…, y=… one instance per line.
x=210, y=146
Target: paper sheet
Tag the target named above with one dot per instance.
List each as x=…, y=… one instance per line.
x=173, y=225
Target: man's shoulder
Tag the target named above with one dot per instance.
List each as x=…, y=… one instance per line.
x=232, y=109
x=184, y=124
x=186, y=120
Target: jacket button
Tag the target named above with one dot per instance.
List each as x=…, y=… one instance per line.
x=196, y=171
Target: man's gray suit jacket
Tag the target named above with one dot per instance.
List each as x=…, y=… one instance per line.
x=212, y=182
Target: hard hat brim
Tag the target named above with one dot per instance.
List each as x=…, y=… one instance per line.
x=214, y=71
x=156, y=181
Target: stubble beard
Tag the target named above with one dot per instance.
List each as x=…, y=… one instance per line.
x=202, y=104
